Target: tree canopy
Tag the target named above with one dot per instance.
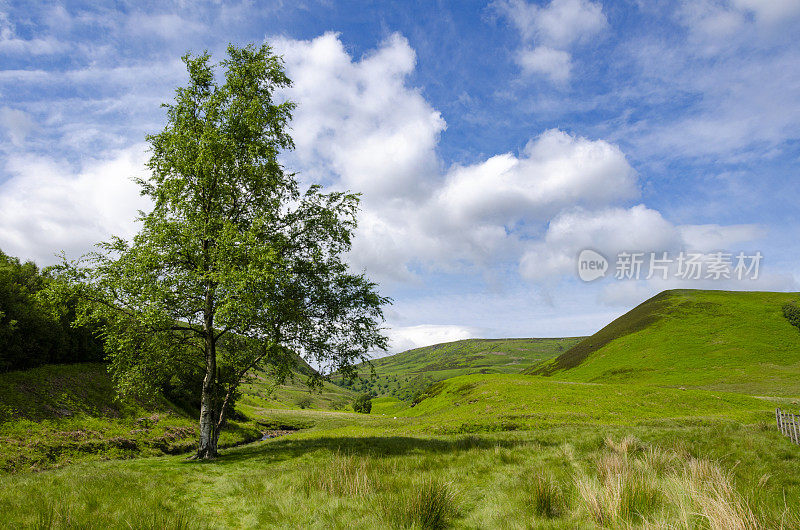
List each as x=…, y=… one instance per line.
x=234, y=267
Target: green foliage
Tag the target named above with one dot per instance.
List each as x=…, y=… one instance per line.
x=31, y=334
x=234, y=268
x=792, y=313
x=363, y=404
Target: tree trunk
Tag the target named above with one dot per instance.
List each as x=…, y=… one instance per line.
x=208, y=427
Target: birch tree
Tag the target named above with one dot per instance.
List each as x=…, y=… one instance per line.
x=235, y=267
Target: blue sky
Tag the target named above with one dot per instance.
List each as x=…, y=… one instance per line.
x=492, y=141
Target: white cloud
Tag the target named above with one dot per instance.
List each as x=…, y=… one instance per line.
x=17, y=124
x=770, y=11
x=167, y=26
x=555, y=64
x=360, y=125
x=409, y=337
x=607, y=231
x=554, y=171
x=733, y=78
x=716, y=237
x=12, y=45
x=614, y=230
x=45, y=207
x=359, y=120
x=560, y=23
x=553, y=29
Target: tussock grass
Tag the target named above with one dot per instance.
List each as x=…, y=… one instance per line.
x=341, y=474
x=351, y=471
x=546, y=496
x=657, y=488
x=431, y=505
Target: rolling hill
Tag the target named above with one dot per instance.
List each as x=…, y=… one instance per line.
x=57, y=414
x=721, y=340
x=406, y=374
x=510, y=402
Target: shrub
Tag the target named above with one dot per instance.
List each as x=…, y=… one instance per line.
x=792, y=313
x=363, y=404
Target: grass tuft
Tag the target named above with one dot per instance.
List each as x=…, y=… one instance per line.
x=430, y=506
x=342, y=475
x=546, y=496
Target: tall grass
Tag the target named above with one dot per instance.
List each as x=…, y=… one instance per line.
x=342, y=475
x=654, y=487
x=571, y=478
x=430, y=505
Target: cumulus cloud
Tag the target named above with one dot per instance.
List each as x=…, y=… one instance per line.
x=607, y=231
x=45, y=207
x=402, y=338
x=614, y=230
x=361, y=126
x=553, y=29
x=553, y=171
x=358, y=121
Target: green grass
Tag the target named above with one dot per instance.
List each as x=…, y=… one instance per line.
x=359, y=471
x=294, y=394
x=57, y=415
x=406, y=374
x=478, y=403
x=588, y=446
x=734, y=341
x=483, y=451
x=388, y=405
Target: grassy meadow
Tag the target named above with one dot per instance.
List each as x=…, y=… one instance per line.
x=598, y=440
x=681, y=468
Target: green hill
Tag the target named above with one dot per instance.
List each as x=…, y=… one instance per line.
x=511, y=402
x=406, y=374
x=58, y=414
x=722, y=340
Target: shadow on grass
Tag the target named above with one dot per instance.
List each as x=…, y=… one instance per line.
x=287, y=448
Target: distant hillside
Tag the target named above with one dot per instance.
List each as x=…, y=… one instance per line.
x=406, y=374
x=737, y=341
x=503, y=402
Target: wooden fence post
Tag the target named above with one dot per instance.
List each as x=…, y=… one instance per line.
x=778, y=419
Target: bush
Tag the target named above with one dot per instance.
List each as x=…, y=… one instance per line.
x=792, y=313
x=363, y=404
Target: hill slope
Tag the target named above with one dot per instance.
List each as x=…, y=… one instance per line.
x=501, y=402
x=405, y=374
x=723, y=340
x=57, y=414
